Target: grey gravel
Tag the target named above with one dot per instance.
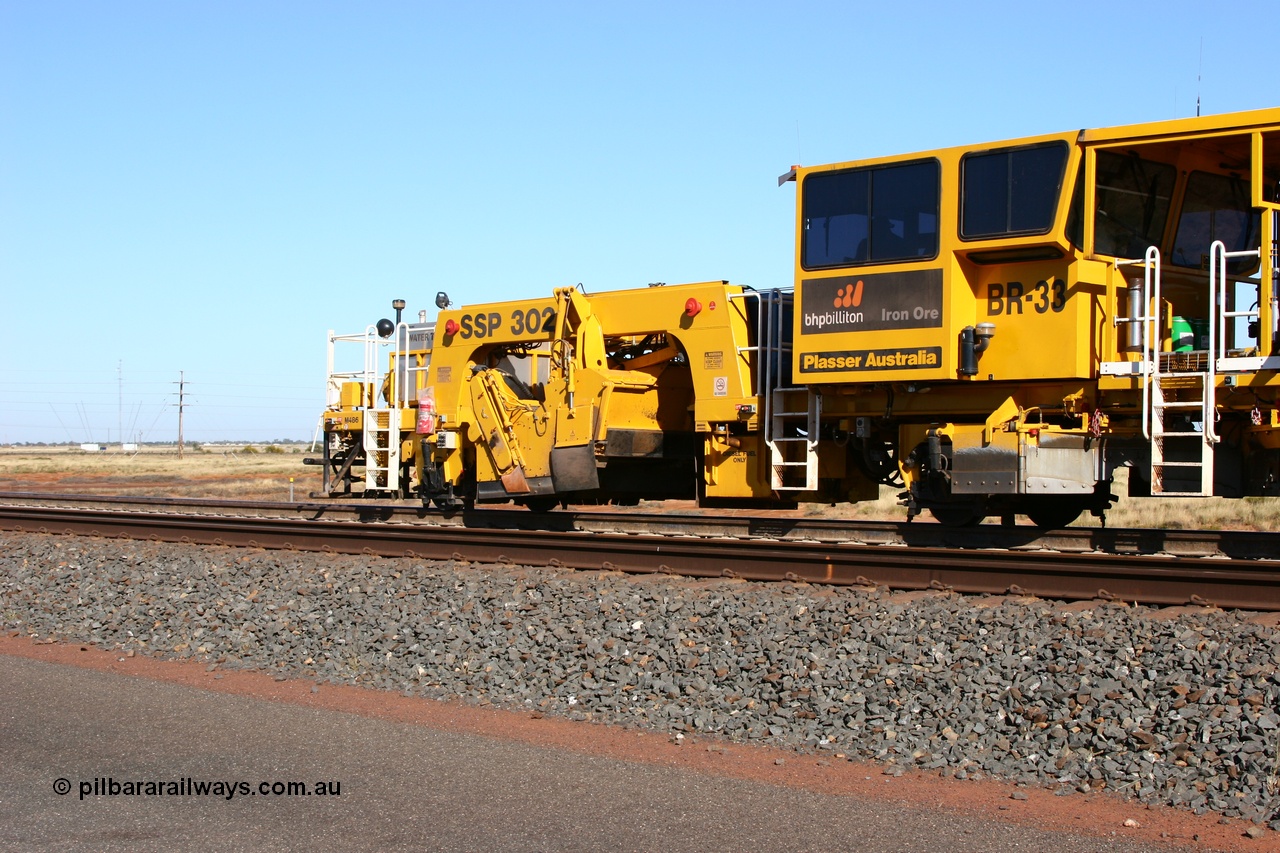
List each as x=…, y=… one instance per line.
x=1181, y=710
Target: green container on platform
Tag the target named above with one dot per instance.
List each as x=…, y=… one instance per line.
x=1183, y=337
x=1200, y=328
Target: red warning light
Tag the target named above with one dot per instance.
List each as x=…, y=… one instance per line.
x=450, y=328
x=692, y=307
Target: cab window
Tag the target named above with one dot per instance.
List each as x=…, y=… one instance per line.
x=872, y=215
x=1011, y=192
x=1133, y=198
x=1216, y=207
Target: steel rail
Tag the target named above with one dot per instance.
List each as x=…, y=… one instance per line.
x=1235, y=583
x=1233, y=544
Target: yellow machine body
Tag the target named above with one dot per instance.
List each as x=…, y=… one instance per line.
x=1004, y=318
x=578, y=394
x=994, y=328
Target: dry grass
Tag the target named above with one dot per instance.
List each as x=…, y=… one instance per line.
x=1187, y=513
x=230, y=474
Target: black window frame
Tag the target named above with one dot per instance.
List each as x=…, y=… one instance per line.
x=931, y=249
x=1009, y=153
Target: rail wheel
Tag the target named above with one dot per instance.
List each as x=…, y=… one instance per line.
x=1054, y=515
x=957, y=515
x=542, y=503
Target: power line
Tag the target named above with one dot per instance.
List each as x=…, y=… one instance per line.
x=60, y=423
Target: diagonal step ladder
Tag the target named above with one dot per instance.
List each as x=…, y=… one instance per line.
x=1178, y=405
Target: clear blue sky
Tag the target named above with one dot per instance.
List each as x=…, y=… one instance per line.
x=208, y=187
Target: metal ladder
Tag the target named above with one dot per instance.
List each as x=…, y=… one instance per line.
x=1180, y=388
x=1182, y=459
x=381, y=450
x=787, y=453
x=381, y=426
x=792, y=453
x=381, y=436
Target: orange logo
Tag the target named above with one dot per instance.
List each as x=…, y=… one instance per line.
x=849, y=296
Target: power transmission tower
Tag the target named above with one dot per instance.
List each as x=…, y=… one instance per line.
x=181, y=388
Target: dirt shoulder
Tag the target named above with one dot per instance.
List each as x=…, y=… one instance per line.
x=1098, y=814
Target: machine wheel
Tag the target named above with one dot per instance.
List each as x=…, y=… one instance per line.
x=957, y=515
x=1053, y=516
x=542, y=503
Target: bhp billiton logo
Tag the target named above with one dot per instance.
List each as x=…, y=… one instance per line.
x=843, y=316
x=849, y=296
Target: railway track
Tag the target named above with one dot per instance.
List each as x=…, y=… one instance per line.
x=1226, y=569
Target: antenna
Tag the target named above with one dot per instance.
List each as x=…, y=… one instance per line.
x=1199, y=73
x=120, y=400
